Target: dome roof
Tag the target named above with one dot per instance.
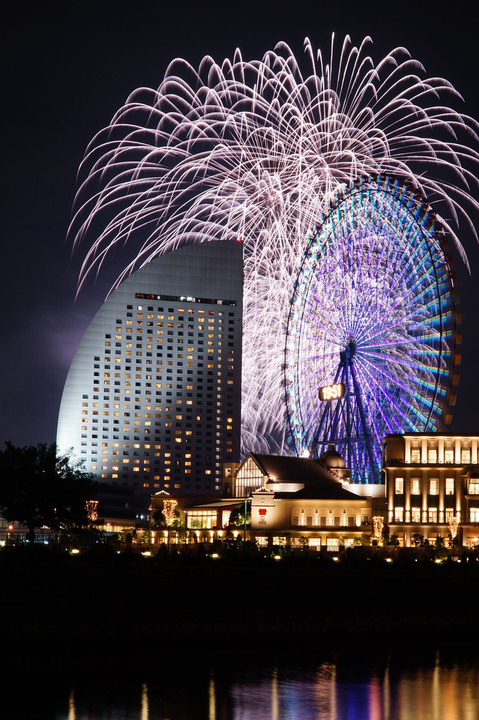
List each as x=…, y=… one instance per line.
x=332, y=459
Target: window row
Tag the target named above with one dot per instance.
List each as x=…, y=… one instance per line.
x=327, y=520
x=432, y=456
x=432, y=486
x=432, y=515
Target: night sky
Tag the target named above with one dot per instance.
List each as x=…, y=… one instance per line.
x=67, y=68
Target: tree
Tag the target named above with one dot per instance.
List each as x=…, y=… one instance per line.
x=417, y=539
x=237, y=517
x=393, y=540
x=365, y=539
x=304, y=542
x=158, y=521
x=39, y=488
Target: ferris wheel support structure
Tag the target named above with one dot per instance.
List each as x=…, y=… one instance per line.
x=344, y=425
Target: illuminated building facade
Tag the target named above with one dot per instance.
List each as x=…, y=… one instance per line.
x=305, y=500
x=152, y=398
x=432, y=483
x=302, y=501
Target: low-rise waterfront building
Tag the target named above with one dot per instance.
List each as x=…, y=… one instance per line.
x=432, y=486
x=306, y=502
x=295, y=501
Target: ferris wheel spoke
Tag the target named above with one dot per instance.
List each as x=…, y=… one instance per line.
x=409, y=380
x=401, y=415
x=369, y=395
x=412, y=380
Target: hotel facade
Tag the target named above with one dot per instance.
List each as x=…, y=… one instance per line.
x=432, y=484
x=152, y=400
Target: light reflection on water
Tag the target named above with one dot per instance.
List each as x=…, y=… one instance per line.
x=331, y=693
x=339, y=690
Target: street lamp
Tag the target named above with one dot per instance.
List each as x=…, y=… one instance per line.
x=245, y=513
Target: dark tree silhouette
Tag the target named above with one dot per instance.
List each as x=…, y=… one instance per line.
x=39, y=488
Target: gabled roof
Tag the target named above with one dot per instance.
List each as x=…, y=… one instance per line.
x=318, y=481
x=321, y=491
x=289, y=469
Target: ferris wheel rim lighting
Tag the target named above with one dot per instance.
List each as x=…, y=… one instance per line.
x=373, y=291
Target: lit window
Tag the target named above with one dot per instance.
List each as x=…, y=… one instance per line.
x=432, y=455
x=449, y=486
x=399, y=514
x=432, y=515
x=465, y=457
x=474, y=486
x=399, y=486
x=416, y=514
x=332, y=544
x=433, y=486
x=449, y=456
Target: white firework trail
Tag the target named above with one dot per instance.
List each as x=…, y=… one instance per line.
x=255, y=150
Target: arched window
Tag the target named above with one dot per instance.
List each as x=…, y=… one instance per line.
x=474, y=484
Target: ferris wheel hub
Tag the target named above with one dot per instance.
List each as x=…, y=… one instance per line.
x=348, y=353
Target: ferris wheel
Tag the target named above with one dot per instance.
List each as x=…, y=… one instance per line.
x=371, y=342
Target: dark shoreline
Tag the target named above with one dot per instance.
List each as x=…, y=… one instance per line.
x=73, y=608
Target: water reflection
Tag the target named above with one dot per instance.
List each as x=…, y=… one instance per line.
x=388, y=688
x=347, y=691
x=144, y=702
x=212, y=698
x=71, y=706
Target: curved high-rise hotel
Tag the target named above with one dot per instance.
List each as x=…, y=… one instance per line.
x=152, y=400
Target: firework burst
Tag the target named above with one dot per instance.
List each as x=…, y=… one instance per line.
x=255, y=150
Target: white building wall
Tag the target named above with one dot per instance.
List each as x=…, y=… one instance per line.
x=153, y=396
